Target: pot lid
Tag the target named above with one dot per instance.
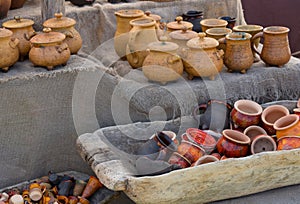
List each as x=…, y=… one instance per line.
x=130, y=13
x=5, y=33
x=202, y=42
x=59, y=21
x=179, y=24
x=143, y=22
x=154, y=16
x=18, y=22
x=183, y=34
x=48, y=37
x=163, y=46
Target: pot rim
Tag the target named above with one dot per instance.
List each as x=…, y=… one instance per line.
x=193, y=144
x=213, y=22
x=206, y=157
x=238, y=36
x=248, y=28
x=225, y=31
x=276, y=30
x=247, y=139
x=129, y=13
x=181, y=156
x=210, y=138
x=151, y=22
x=268, y=109
x=262, y=137
x=253, y=103
x=263, y=131
x=290, y=136
x=293, y=120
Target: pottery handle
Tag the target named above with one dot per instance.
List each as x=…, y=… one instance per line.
x=69, y=34
x=61, y=48
x=13, y=43
x=29, y=35
x=258, y=35
x=173, y=59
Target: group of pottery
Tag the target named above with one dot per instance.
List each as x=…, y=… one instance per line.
x=250, y=130
x=50, y=48
x=164, y=51
x=53, y=189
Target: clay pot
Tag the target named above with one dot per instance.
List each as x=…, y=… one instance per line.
x=181, y=37
x=288, y=143
x=276, y=49
x=4, y=7
x=142, y=33
x=253, y=131
x=178, y=160
x=82, y=2
x=121, y=36
x=238, y=55
x=270, y=115
x=212, y=23
x=218, y=33
x=233, y=144
x=9, y=52
x=202, y=59
x=179, y=24
x=205, y=159
x=201, y=138
x=194, y=17
x=23, y=30
x=91, y=187
x=246, y=113
x=190, y=151
x=263, y=143
x=252, y=30
x=16, y=4
x=158, y=25
x=162, y=64
x=230, y=20
x=287, y=126
x=48, y=49
x=65, y=25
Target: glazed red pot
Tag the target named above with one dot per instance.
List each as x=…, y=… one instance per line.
x=201, y=138
x=287, y=126
x=190, y=151
x=233, y=144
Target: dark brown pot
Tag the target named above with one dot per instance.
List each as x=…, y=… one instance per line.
x=15, y=4
x=4, y=7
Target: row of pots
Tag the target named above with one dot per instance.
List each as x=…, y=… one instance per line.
x=137, y=34
x=53, y=189
x=49, y=48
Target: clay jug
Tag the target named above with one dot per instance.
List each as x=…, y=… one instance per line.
x=123, y=18
x=4, y=7
x=238, y=55
x=276, y=49
x=142, y=33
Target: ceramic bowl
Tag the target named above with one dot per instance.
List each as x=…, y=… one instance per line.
x=233, y=144
x=288, y=142
x=190, y=151
x=201, y=138
x=179, y=160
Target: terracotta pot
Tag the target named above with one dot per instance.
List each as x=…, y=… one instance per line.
x=246, y=113
x=121, y=36
x=9, y=52
x=205, y=159
x=218, y=33
x=91, y=187
x=162, y=64
x=288, y=143
x=194, y=17
x=66, y=26
x=287, y=126
x=48, y=49
x=23, y=30
x=4, y=7
x=230, y=20
x=254, y=130
x=201, y=138
x=238, y=55
x=233, y=144
x=179, y=24
x=276, y=49
x=252, y=30
x=15, y=4
x=270, y=115
x=263, y=143
x=202, y=59
x=142, y=33
x=212, y=23
x=190, y=151
x=178, y=160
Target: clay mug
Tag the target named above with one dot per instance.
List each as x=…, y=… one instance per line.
x=91, y=187
x=179, y=161
x=287, y=126
x=254, y=130
x=215, y=116
x=79, y=186
x=246, y=113
x=276, y=49
x=270, y=115
x=262, y=143
x=36, y=192
x=190, y=151
x=16, y=199
x=288, y=143
x=233, y=143
x=238, y=54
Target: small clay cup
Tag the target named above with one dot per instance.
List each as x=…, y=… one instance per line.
x=179, y=160
x=262, y=143
x=254, y=130
x=287, y=126
x=190, y=151
x=288, y=143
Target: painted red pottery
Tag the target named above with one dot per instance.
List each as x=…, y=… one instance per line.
x=287, y=126
x=190, y=151
x=288, y=143
x=201, y=138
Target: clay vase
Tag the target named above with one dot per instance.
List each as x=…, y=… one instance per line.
x=276, y=49
x=91, y=187
x=142, y=33
x=270, y=115
x=4, y=7
x=202, y=59
x=212, y=23
x=218, y=33
x=238, y=55
x=288, y=143
x=9, y=52
x=253, y=131
x=194, y=17
x=190, y=151
x=233, y=143
x=121, y=36
x=162, y=64
x=15, y=4
x=246, y=113
x=23, y=30
x=263, y=143
x=287, y=126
